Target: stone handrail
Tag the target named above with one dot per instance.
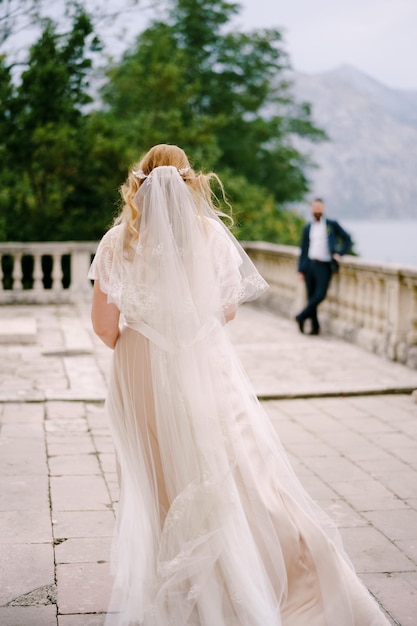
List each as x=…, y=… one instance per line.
x=26, y=278
x=369, y=303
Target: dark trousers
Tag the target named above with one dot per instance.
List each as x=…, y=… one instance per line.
x=317, y=279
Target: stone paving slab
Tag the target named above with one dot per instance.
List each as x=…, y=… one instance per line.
x=28, y=616
x=69, y=363
x=283, y=363
x=377, y=524
x=356, y=455
x=18, y=330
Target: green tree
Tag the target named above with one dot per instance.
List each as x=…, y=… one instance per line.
x=241, y=85
x=222, y=96
x=191, y=80
x=149, y=99
x=7, y=95
x=45, y=130
x=256, y=215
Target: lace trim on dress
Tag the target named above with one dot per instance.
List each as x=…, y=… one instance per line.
x=138, y=297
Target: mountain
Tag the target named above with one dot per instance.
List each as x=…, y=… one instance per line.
x=368, y=169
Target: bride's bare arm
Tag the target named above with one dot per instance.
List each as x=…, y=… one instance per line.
x=230, y=314
x=105, y=317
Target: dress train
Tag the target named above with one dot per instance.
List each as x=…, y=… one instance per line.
x=214, y=528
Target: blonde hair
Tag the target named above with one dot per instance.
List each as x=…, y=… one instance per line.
x=165, y=154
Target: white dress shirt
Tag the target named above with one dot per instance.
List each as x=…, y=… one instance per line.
x=319, y=244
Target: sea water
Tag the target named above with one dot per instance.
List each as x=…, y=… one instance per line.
x=392, y=241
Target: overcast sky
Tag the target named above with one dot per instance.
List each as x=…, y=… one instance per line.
x=378, y=37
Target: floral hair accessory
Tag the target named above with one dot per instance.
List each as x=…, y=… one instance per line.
x=139, y=174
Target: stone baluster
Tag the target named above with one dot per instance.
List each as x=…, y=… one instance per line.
x=349, y=299
x=392, y=316
x=330, y=303
x=412, y=337
x=345, y=304
x=378, y=309
x=365, y=301
x=56, y=272
x=335, y=297
x=368, y=321
x=371, y=304
x=80, y=263
x=353, y=298
x=17, y=271
x=37, y=272
x=358, y=300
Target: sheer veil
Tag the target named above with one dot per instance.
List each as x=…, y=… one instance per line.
x=185, y=268
x=220, y=551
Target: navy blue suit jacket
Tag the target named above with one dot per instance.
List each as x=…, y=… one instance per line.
x=340, y=242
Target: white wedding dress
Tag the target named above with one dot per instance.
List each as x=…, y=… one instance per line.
x=213, y=527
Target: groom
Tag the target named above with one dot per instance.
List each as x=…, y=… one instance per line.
x=323, y=243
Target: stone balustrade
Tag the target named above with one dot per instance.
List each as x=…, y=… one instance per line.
x=369, y=303
x=45, y=272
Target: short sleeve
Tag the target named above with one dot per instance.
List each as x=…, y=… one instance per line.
x=227, y=262
x=239, y=279
x=102, y=264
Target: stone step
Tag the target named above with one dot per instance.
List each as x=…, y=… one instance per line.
x=18, y=330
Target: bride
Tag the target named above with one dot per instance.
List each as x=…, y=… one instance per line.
x=213, y=526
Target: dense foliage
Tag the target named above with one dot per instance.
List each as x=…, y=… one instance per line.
x=190, y=80
x=47, y=185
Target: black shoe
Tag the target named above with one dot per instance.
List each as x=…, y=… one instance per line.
x=315, y=331
x=300, y=323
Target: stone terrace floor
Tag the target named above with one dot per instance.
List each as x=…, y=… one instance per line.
x=347, y=419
